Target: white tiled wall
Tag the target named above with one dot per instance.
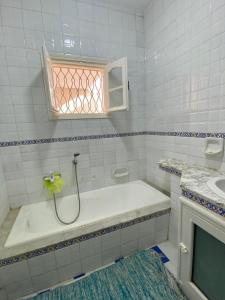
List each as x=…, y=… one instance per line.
x=24, y=166
x=69, y=27
x=4, y=205
x=185, y=65
x=43, y=272
x=81, y=28
x=185, y=79
x=182, y=70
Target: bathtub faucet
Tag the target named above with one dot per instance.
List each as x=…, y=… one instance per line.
x=75, y=162
x=51, y=176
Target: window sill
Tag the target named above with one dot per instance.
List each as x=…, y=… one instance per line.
x=79, y=117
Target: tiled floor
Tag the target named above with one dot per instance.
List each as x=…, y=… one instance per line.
x=172, y=253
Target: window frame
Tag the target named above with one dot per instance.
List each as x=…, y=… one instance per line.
x=84, y=61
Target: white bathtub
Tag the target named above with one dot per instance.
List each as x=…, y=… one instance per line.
x=100, y=208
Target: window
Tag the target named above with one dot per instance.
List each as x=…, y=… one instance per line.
x=85, y=89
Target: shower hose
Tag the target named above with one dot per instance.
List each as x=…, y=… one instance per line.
x=78, y=195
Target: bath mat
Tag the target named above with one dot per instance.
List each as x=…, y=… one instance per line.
x=139, y=277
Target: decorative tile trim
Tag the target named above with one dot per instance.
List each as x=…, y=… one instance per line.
x=108, y=136
x=203, y=202
x=85, y=237
x=171, y=170
x=69, y=139
x=187, y=134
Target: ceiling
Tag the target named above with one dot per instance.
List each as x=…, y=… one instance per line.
x=138, y=4
x=133, y=4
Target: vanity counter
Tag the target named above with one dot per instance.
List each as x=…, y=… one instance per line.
x=194, y=183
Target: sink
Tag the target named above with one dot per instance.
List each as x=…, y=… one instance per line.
x=217, y=185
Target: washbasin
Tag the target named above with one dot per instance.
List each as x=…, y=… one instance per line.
x=217, y=185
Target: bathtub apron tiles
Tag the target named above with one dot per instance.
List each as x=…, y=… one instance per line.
x=67, y=243
x=44, y=268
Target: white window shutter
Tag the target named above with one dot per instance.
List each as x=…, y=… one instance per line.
x=117, y=85
x=47, y=62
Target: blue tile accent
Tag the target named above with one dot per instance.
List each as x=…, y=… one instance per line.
x=119, y=259
x=79, y=276
x=43, y=292
x=163, y=256
x=187, y=134
x=171, y=170
x=67, y=243
x=109, y=135
x=203, y=202
x=69, y=139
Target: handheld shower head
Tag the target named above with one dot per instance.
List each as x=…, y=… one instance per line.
x=75, y=158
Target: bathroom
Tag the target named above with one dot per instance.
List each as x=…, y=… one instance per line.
x=112, y=149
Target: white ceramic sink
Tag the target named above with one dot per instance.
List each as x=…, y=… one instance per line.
x=217, y=185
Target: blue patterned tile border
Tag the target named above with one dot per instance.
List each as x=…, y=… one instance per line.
x=203, y=202
x=108, y=136
x=186, y=134
x=69, y=139
x=85, y=237
x=171, y=170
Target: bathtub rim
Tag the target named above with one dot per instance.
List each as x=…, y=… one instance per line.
x=54, y=239
x=37, y=240
x=8, y=260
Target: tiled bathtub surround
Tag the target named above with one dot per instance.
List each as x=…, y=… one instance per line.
x=100, y=209
x=26, y=161
x=24, y=166
x=63, y=262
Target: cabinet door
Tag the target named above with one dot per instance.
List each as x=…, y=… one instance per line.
x=118, y=85
x=48, y=79
x=202, y=264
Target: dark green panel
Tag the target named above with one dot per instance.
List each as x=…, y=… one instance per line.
x=209, y=265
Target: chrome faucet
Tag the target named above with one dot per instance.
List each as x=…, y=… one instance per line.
x=51, y=176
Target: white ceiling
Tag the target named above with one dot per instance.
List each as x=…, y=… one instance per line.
x=137, y=4
x=130, y=4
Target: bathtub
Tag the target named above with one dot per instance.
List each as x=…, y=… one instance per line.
x=99, y=208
